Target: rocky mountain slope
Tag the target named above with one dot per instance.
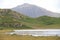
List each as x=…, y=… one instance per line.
x=34, y=11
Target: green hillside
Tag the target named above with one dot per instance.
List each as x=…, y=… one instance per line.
x=44, y=22
x=13, y=20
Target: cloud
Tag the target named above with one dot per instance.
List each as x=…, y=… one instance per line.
x=52, y=5
x=10, y=3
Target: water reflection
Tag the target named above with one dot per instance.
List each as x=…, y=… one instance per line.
x=38, y=32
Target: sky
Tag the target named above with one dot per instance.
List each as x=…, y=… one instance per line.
x=52, y=5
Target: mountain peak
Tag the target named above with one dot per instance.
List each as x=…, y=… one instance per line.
x=34, y=11
x=26, y=4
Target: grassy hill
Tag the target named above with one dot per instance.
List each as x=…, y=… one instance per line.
x=13, y=20
x=44, y=22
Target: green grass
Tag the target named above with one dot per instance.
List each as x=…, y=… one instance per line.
x=13, y=20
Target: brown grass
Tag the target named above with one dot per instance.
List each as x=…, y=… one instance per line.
x=20, y=37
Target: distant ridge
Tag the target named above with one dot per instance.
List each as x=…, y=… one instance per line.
x=34, y=11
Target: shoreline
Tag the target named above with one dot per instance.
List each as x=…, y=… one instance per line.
x=38, y=32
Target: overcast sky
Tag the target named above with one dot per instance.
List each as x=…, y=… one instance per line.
x=52, y=5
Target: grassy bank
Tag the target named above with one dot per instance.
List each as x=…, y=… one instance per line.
x=20, y=37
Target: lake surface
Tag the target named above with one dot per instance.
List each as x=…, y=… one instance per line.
x=38, y=32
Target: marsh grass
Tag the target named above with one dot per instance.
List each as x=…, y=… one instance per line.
x=20, y=37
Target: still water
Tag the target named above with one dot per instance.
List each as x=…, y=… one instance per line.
x=38, y=32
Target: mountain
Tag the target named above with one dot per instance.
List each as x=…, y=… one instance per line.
x=34, y=11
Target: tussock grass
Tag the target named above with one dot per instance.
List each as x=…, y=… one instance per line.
x=20, y=37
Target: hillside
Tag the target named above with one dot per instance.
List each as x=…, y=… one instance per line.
x=13, y=20
x=44, y=22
